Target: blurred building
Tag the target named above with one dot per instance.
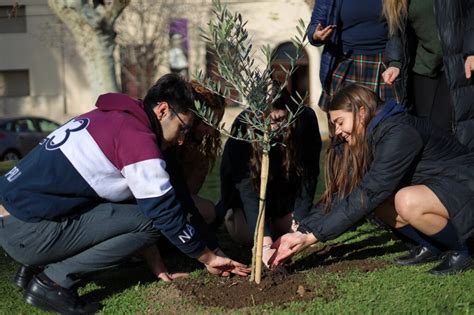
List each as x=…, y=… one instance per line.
x=42, y=72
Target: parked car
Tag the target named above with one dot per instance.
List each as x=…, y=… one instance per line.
x=19, y=135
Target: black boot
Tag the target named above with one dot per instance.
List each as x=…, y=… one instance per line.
x=43, y=293
x=452, y=263
x=417, y=255
x=24, y=274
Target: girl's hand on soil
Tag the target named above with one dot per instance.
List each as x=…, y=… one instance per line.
x=267, y=252
x=469, y=66
x=288, y=245
x=322, y=34
x=169, y=277
x=222, y=266
x=390, y=75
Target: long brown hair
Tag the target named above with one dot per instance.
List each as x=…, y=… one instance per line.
x=289, y=147
x=395, y=11
x=209, y=146
x=345, y=165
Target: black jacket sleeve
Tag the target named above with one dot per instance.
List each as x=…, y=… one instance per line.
x=394, y=50
x=312, y=148
x=396, y=150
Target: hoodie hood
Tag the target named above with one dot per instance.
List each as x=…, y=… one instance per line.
x=123, y=103
x=390, y=108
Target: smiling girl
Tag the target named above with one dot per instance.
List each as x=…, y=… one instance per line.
x=415, y=177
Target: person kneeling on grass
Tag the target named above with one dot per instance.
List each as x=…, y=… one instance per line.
x=293, y=173
x=61, y=205
x=188, y=166
x=380, y=151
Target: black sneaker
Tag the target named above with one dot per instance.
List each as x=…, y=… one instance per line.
x=418, y=255
x=24, y=274
x=452, y=263
x=54, y=298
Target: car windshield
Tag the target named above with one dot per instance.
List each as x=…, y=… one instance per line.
x=24, y=125
x=47, y=126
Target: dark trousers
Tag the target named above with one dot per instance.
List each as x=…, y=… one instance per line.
x=432, y=99
x=96, y=240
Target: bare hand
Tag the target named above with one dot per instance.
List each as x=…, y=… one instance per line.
x=169, y=277
x=322, y=34
x=390, y=75
x=222, y=266
x=267, y=251
x=288, y=245
x=219, y=252
x=469, y=66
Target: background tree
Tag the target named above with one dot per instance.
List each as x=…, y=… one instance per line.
x=143, y=37
x=92, y=24
x=235, y=63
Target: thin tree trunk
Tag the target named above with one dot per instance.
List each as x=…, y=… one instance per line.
x=102, y=64
x=260, y=228
x=93, y=29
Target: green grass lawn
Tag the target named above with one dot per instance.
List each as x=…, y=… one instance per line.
x=387, y=290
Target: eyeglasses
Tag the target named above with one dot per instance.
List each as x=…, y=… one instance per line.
x=184, y=127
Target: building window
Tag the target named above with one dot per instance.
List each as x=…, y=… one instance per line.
x=12, y=19
x=14, y=83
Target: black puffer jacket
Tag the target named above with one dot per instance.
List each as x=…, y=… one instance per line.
x=406, y=151
x=455, y=20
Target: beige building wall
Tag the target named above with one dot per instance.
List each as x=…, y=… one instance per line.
x=58, y=86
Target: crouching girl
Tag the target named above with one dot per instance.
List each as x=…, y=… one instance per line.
x=381, y=152
x=293, y=173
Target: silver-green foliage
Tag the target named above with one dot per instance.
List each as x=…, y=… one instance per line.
x=229, y=40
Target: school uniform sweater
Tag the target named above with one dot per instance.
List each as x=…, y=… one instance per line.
x=109, y=154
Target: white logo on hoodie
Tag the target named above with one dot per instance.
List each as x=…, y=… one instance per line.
x=58, y=137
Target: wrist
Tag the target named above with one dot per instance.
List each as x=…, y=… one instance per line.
x=206, y=256
x=395, y=64
x=308, y=238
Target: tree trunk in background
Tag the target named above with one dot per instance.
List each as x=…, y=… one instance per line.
x=143, y=31
x=92, y=25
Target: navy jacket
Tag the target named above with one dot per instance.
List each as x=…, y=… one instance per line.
x=326, y=12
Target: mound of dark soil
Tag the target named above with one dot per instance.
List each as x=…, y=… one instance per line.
x=276, y=288
x=236, y=292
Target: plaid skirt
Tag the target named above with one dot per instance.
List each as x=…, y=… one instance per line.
x=362, y=69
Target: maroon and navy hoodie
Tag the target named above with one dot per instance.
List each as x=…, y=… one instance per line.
x=109, y=154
